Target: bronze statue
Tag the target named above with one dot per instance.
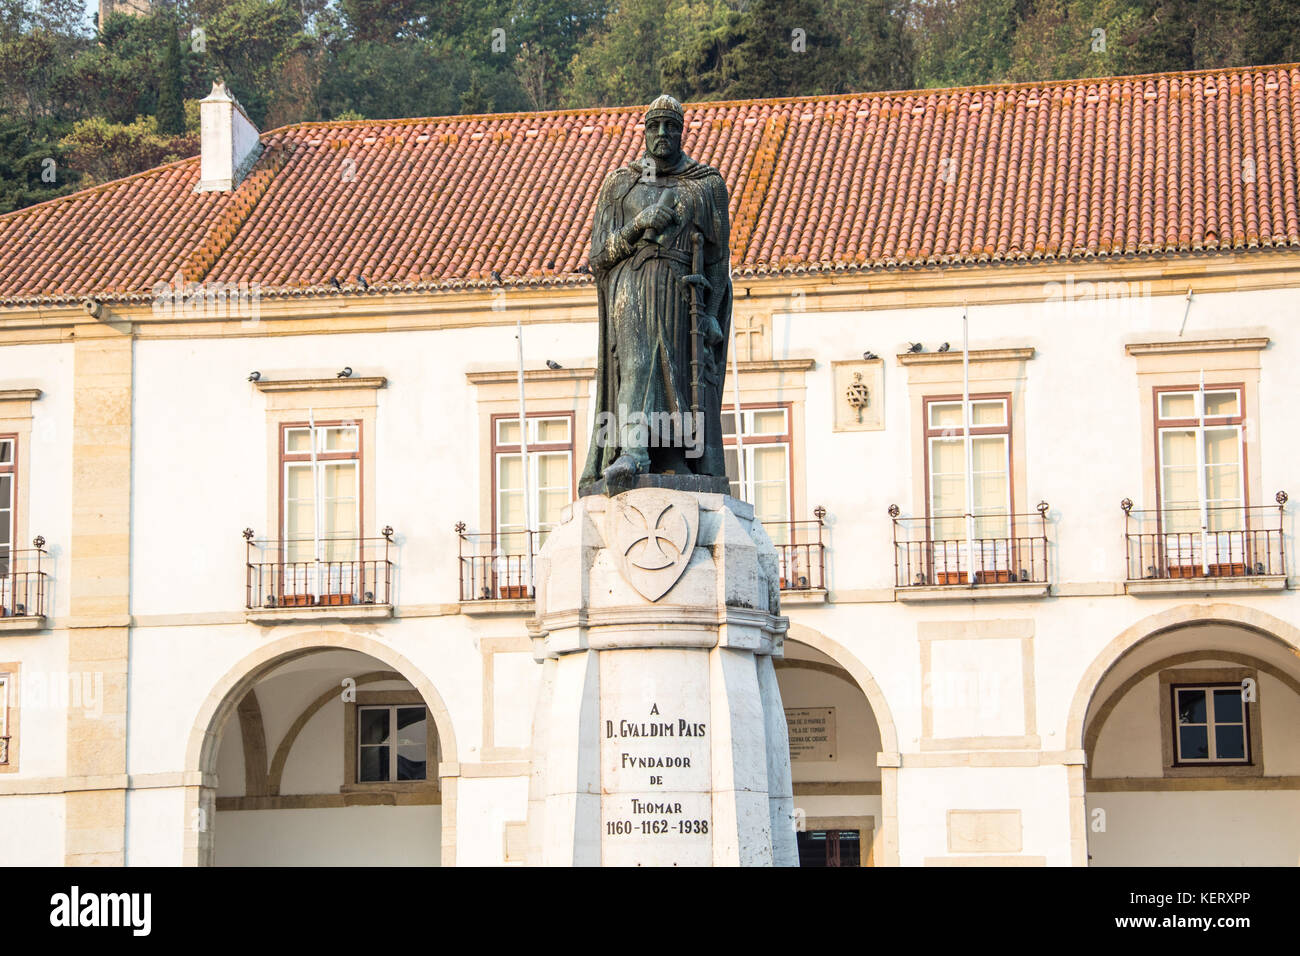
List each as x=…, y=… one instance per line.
x=660, y=256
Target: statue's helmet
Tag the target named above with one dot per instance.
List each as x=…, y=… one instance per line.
x=665, y=107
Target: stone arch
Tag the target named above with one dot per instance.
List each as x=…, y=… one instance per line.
x=884, y=721
x=1162, y=622
x=223, y=699
x=275, y=770
x=1184, y=615
x=1100, y=716
x=861, y=676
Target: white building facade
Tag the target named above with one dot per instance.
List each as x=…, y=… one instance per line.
x=1063, y=633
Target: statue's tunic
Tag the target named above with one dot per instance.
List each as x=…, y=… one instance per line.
x=645, y=320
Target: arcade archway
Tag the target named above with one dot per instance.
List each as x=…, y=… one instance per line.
x=838, y=724
x=326, y=753
x=1191, y=753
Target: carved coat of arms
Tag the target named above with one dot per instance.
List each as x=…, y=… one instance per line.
x=652, y=534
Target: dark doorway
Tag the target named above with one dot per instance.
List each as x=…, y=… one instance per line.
x=830, y=848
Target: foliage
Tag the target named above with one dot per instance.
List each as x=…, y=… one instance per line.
x=170, y=112
x=102, y=150
x=624, y=62
x=32, y=167
x=81, y=102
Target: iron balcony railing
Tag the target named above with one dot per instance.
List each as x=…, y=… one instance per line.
x=23, y=581
x=294, y=574
x=1217, y=542
x=964, y=550
x=800, y=552
x=4, y=750
x=497, y=567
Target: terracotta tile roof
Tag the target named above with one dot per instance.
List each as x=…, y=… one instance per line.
x=1124, y=166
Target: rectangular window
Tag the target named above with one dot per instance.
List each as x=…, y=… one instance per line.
x=8, y=492
x=1199, y=436
x=321, y=507
x=1211, y=724
x=392, y=743
x=765, y=443
x=550, y=477
x=1201, y=459
x=988, y=474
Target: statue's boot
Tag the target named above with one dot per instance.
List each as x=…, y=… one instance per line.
x=623, y=468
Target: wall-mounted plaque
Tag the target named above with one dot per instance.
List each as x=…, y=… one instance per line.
x=812, y=733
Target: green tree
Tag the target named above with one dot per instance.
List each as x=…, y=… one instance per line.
x=696, y=69
x=32, y=167
x=877, y=42
x=405, y=78
x=249, y=43
x=771, y=48
x=1273, y=31
x=624, y=62
x=123, y=74
x=547, y=34
x=785, y=48
x=475, y=99
x=966, y=42
x=39, y=43
x=102, y=150
x=170, y=111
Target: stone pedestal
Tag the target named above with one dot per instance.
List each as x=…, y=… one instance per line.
x=659, y=739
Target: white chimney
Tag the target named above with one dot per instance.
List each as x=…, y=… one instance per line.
x=229, y=141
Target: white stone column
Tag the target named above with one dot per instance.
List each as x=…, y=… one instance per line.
x=660, y=739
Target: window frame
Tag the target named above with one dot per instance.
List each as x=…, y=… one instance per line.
x=391, y=710
x=286, y=458
x=10, y=468
x=928, y=433
x=9, y=714
x=786, y=439
x=1179, y=761
x=408, y=697
x=497, y=450
x=4, y=711
x=1159, y=425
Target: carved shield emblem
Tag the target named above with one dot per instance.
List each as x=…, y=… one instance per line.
x=652, y=535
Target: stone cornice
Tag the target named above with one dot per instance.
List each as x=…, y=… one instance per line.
x=320, y=384
x=810, y=292
x=509, y=376
x=976, y=355
x=777, y=365
x=1194, y=345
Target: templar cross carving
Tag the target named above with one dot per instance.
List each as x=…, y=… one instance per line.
x=651, y=535
x=653, y=557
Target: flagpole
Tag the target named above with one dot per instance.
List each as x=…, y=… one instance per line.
x=970, y=460
x=523, y=450
x=735, y=383
x=1201, y=488
x=318, y=489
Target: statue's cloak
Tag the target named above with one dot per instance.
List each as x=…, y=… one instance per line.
x=608, y=220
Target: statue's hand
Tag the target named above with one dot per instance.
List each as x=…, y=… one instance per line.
x=654, y=218
x=712, y=331
x=697, y=280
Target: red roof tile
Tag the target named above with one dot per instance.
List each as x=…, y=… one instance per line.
x=1124, y=166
